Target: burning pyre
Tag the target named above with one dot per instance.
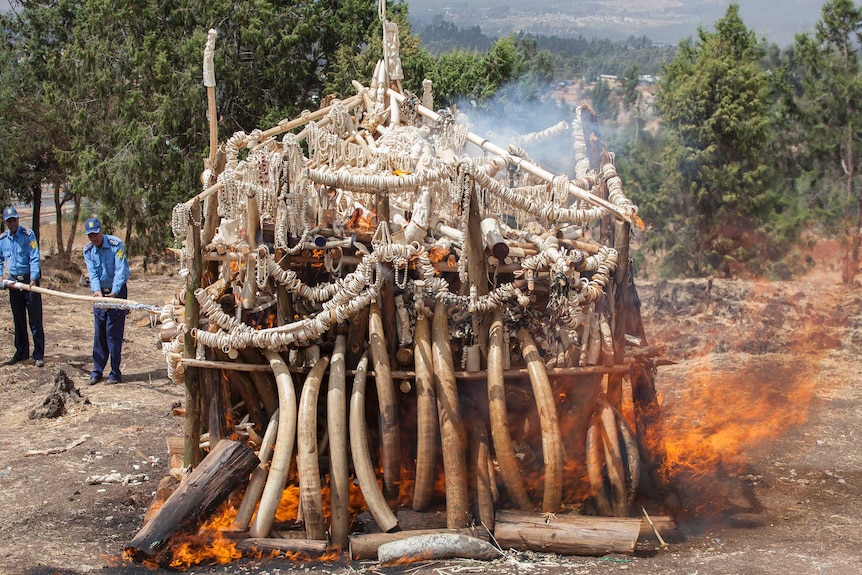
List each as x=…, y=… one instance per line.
x=405, y=293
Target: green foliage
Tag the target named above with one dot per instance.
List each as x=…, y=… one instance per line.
x=829, y=114
x=716, y=210
x=110, y=93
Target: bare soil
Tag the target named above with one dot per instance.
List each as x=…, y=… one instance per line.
x=762, y=413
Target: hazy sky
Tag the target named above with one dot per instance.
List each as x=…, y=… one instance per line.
x=678, y=19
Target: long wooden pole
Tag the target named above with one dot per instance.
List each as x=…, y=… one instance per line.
x=191, y=377
x=113, y=301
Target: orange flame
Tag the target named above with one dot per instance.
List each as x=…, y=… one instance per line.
x=715, y=426
x=209, y=545
x=361, y=220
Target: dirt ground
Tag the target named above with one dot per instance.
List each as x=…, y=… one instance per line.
x=762, y=412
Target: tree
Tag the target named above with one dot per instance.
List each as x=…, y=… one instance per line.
x=830, y=110
x=716, y=208
x=31, y=130
x=123, y=81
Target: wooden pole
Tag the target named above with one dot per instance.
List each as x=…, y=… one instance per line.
x=567, y=534
x=191, y=376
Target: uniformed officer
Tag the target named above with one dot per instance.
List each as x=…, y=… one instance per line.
x=19, y=249
x=108, y=268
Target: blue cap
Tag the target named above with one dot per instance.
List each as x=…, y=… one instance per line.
x=10, y=213
x=92, y=226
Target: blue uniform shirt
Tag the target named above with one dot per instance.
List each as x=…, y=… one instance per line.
x=20, y=253
x=108, y=266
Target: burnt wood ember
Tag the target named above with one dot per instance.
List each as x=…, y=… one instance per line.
x=226, y=467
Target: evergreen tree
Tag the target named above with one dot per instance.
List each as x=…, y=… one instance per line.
x=716, y=208
x=830, y=109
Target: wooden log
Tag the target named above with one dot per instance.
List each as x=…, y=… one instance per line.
x=436, y=546
x=390, y=437
x=499, y=417
x=283, y=446
x=566, y=534
x=427, y=423
x=262, y=379
x=452, y=437
x=311, y=548
x=357, y=332
x=167, y=486
x=219, y=473
x=242, y=384
x=336, y=422
x=552, y=446
x=365, y=546
x=307, y=464
x=365, y=475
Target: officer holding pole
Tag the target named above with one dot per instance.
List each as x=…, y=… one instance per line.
x=108, y=269
x=19, y=250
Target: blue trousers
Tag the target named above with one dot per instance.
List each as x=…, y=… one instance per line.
x=109, y=326
x=27, y=306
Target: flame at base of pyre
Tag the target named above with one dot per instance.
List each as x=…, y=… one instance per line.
x=716, y=427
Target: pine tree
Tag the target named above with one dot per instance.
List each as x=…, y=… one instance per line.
x=716, y=203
